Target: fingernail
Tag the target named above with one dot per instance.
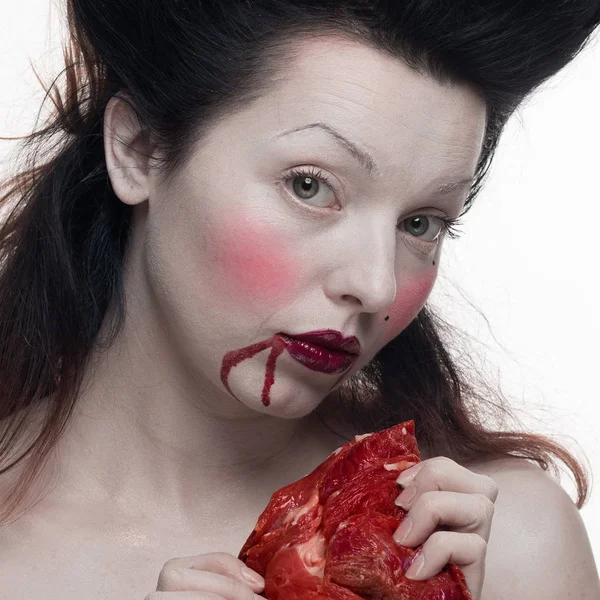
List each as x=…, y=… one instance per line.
x=415, y=568
x=405, y=498
x=403, y=531
x=407, y=476
x=251, y=576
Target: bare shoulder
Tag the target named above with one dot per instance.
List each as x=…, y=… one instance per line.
x=538, y=546
x=514, y=474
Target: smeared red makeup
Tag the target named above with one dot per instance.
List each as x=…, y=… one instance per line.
x=277, y=345
x=235, y=357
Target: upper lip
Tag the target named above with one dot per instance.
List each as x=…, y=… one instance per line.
x=330, y=338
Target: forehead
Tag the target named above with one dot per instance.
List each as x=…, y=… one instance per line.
x=403, y=118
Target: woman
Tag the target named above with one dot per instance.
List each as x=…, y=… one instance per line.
x=226, y=176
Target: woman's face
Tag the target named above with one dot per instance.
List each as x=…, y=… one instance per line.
x=240, y=248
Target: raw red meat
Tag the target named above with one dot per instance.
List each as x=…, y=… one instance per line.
x=328, y=536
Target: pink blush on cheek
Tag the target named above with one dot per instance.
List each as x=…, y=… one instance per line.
x=255, y=262
x=409, y=300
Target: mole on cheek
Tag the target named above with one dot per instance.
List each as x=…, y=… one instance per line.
x=255, y=262
x=410, y=299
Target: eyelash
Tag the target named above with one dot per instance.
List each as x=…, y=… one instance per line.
x=449, y=224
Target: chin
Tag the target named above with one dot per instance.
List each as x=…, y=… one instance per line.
x=292, y=401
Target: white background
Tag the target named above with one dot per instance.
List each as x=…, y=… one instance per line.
x=528, y=259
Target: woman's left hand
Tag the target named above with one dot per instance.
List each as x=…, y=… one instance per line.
x=439, y=492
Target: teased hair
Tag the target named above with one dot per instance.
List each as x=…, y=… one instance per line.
x=182, y=65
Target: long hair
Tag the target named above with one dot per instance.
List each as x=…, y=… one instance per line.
x=182, y=65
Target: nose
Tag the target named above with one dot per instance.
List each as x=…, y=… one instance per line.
x=364, y=269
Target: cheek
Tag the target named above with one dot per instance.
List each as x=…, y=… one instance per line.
x=255, y=264
x=410, y=299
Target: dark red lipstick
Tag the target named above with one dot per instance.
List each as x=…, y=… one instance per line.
x=327, y=351
x=329, y=338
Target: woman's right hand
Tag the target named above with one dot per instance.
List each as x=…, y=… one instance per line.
x=212, y=576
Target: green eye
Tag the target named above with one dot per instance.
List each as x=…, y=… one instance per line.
x=307, y=185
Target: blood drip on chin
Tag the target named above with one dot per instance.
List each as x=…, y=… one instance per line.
x=235, y=357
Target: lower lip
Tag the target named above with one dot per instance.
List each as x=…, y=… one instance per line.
x=318, y=358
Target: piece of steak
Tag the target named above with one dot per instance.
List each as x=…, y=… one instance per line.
x=328, y=536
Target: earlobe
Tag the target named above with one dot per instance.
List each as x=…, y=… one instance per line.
x=127, y=152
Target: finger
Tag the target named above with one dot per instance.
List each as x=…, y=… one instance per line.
x=465, y=550
x=187, y=596
x=222, y=563
x=441, y=473
x=216, y=572
x=181, y=579
x=464, y=513
x=218, y=562
x=183, y=596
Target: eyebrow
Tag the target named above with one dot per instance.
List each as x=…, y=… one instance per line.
x=366, y=160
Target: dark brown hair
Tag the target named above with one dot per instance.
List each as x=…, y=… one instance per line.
x=182, y=65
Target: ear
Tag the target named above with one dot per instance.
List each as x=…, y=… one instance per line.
x=127, y=151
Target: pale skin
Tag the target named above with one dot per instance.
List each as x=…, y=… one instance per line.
x=162, y=473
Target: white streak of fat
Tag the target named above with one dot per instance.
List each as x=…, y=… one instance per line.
x=392, y=466
x=295, y=515
x=312, y=554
